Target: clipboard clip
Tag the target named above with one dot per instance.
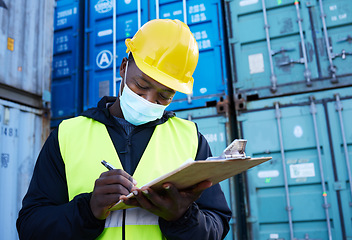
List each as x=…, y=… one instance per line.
x=235, y=150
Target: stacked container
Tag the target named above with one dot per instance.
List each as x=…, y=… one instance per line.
x=291, y=63
x=26, y=36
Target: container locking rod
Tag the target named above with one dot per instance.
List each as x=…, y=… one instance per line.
x=339, y=108
x=313, y=111
x=332, y=68
x=307, y=73
x=288, y=208
x=273, y=78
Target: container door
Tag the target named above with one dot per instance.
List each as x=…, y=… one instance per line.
x=340, y=115
x=278, y=47
x=293, y=195
x=99, y=44
x=9, y=155
x=334, y=26
x=267, y=46
x=20, y=142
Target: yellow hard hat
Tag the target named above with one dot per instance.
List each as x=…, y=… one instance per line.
x=166, y=51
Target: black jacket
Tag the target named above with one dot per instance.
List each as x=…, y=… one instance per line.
x=48, y=214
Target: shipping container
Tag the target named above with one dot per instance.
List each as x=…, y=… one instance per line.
x=205, y=21
x=286, y=47
x=67, y=74
x=26, y=37
x=215, y=127
x=304, y=192
x=23, y=130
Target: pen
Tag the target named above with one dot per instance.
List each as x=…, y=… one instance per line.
x=107, y=165
x=111, y=167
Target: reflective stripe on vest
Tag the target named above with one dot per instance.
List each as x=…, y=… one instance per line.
x=139, y=224
x=84, y=142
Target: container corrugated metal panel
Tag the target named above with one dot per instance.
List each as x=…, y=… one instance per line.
x=205, y=21
x=214, y=128
x=98, y=77
x=22, y=130
x=303, y=135
x=272, y=55
x=67, y=77
x=26, y=36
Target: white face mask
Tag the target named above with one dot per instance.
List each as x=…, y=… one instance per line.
x=137, y=110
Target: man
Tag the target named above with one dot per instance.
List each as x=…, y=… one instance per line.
x=71, y=192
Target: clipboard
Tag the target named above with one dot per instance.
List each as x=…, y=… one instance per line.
x=215, y=169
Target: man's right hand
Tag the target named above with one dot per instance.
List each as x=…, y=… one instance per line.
x=107, y=190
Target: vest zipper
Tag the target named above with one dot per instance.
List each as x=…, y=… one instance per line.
x=128, y=154
x=124, y=224
x=128, y=151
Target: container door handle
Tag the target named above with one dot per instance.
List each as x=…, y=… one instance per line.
x=332, y=68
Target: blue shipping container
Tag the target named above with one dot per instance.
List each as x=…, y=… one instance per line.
x=205, y=21
x=67, y=72
x=214, y=128
x=304, y=192
x=284, y=47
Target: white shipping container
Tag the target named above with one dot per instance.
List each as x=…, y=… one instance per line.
x=26, y=47
x=23, y=130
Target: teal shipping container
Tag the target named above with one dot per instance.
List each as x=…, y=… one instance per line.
x=305, y=191
x=285, y=47
x=214, y=127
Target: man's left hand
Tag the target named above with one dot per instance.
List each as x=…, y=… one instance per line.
x=169, y=205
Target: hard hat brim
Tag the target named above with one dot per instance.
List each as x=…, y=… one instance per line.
x=163, y=78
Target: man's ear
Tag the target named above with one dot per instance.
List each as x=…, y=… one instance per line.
x=123, y=67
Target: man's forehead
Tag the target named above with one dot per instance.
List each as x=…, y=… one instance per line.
x=155, y=83
x=139, y=75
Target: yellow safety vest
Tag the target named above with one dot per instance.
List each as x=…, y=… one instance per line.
x=84, y=142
